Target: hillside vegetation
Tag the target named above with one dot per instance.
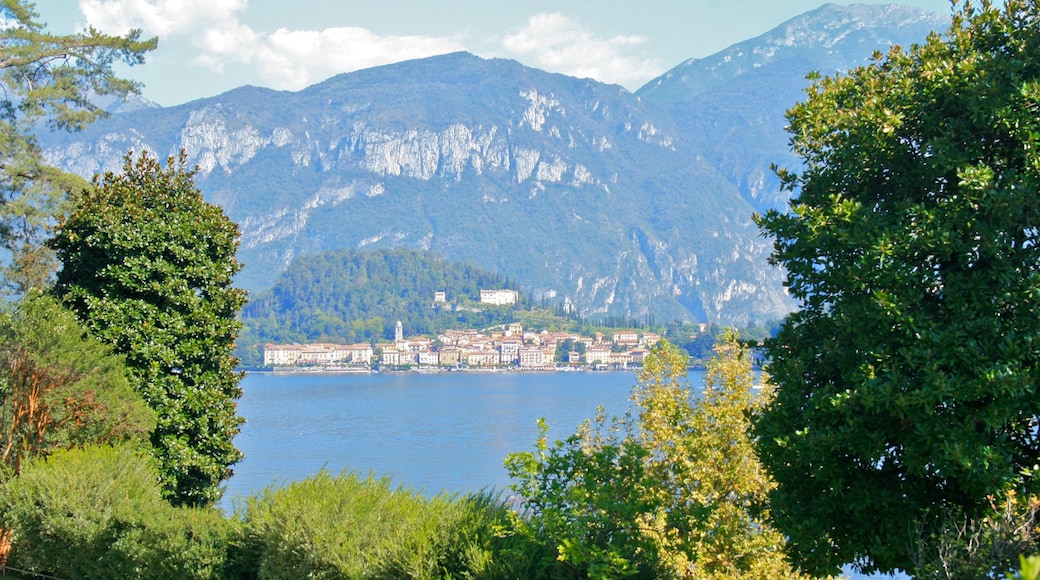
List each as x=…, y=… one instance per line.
x=358, y=295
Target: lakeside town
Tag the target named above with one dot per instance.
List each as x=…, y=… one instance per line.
x=506, y=347
x=502, y=347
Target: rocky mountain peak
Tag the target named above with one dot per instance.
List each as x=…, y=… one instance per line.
x=832, y=37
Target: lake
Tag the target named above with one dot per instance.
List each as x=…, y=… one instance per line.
x=434, y=432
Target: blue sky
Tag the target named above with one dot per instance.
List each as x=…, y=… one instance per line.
x=207, y=47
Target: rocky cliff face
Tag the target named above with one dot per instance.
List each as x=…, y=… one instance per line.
x=584, y=193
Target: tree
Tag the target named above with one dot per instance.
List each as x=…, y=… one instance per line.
x=672, y=490
x=54, y=79
x=908, y=381
x=59, y=387
x=147, y=265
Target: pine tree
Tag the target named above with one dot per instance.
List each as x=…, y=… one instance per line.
x=51, y=80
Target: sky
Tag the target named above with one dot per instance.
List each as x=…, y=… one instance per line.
x=207, y=47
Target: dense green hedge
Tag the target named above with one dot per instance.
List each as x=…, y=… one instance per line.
x=346, y=526
x=98, y=512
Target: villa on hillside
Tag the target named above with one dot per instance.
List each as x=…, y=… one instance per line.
x=498, y=297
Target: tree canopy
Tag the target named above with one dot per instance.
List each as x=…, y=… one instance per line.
x=669, y=490
x=148, y=265
x=908, y=380
x=53, y=80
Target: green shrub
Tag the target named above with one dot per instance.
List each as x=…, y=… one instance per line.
x=987, y=545
x=59, y=387
x=98, y=512
x=1029, y=568
x=346, y=526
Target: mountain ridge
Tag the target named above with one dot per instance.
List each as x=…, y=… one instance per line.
x=802, y=33
x=591, y=196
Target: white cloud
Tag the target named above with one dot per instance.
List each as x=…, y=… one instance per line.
x=293, y=59
x=555, y=42
x=233, y=43
x=284, y=59
x=160, y=17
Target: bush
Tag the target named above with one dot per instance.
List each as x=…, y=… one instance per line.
x=60, y=388
x=672, y=489
x=98, y=512
x=346, y=526
x=1029, y=569
x=987, y=546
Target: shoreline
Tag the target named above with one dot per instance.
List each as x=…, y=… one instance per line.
x=432, y=370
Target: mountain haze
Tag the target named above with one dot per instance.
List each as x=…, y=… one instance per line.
x=586, y=194
x=731, y=104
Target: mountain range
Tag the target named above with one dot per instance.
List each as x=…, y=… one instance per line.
x=603, y=200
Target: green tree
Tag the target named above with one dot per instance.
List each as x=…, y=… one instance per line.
x=671, y=490
x=53, y=79
x=147, y=265
x=908, y=382
x=980, y=547
x=60, y=387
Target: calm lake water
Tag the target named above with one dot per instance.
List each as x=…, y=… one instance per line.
x=435, y=432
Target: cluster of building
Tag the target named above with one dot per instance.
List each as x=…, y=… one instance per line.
x=506, y=346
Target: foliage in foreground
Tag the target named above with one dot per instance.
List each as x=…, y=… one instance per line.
x=671, y=491
x=1028, y=569
x=986, y=546
x=60, y=387
x=909, y=382
x=346, y=526
x=98, y=512
x=148, y=266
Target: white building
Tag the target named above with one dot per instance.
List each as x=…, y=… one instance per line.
x=498, y=297
x=277, y=355
x=532, y=357
x=353, y=353
x=629, y=337
x=597, y=355
x=316, y=354
x=509, y=351
x=482, y=358
x=391, y=357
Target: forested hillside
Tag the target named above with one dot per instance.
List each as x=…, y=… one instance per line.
x=358, y=295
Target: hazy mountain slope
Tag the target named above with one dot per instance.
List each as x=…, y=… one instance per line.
x=731, y=105
x=570, y=186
